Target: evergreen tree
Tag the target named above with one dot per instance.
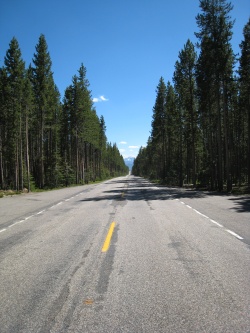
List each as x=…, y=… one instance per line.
x=44, y=143
x=77, y=108
x=184, y=78
x=102, y=148
x=12, y=133
x=28, y=107
x=45, y=116
x=244, y=88
x=158, y=133
x=174, y=138
x=3, y=128
x=215, y=74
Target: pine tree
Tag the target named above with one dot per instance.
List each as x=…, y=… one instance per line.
x=102, y=148
x=13, y=119
x=83, y=130
x=174, y=137
x=28, y=107
x=76, y=105
x=158, y=133
x=3, y=127
x=214, y=72
x=45, y=116
x=185, y=86
x=244, y=87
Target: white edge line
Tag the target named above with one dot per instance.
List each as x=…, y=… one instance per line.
x=2, y=230
x=196, y=211
x=26, y=218
x=206, y=217
x=218, y=224
x=12, y=225
x=234, y=234
x=40, y=212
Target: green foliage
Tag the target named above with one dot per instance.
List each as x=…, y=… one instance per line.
x=45, y=144
x=12, y=77
x=244, y=102
x=185, y=86
x=201, y=126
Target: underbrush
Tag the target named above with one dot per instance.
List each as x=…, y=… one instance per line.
x=8, y=193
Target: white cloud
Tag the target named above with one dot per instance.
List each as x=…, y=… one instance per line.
x=123, y=143
x=103, y=98
x=99, y=99
x=134, y=147
x=122, y=150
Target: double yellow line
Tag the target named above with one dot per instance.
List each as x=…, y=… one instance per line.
x=108, y=237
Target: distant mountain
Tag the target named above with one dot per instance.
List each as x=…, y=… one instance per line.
x=129, y=161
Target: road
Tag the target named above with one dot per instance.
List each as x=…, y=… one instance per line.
x=176, y=260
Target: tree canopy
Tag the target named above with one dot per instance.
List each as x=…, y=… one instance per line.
x=46, y=143
x=201, y=124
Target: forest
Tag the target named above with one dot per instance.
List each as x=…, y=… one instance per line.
x=45, y=142
x=200, y=131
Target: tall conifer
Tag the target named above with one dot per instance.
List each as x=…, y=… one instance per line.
x=244, y=86
x=215, y=71
x=14, y=67
x=185, y=86
x=45, y=117
x=158, y=133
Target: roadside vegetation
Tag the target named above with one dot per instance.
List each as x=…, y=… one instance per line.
x=201, y=121
x=47, y=142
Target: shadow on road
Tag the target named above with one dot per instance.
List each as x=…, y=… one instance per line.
x=242, y=204
x=136, y=189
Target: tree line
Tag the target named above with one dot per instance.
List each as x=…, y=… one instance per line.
x=46, y=143
x=201, y=121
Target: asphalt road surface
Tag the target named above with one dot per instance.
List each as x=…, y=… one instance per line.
x=174, y=260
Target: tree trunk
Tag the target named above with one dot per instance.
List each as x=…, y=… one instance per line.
x=228, y=166
x=2, y=183
x=248, y=155
x=20, y=156
x=219, y=145
x=193, y=135
x=16, y=168
x=27, y=153
x=77, y=159
x=41, y=167
x=180, y=158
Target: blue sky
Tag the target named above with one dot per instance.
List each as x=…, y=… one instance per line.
x=126, y=47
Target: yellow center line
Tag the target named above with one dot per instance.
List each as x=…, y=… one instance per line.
x=108, y=238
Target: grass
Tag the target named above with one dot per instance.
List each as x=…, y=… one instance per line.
x=8, y=193
x=35, y=189
x=239, y=190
